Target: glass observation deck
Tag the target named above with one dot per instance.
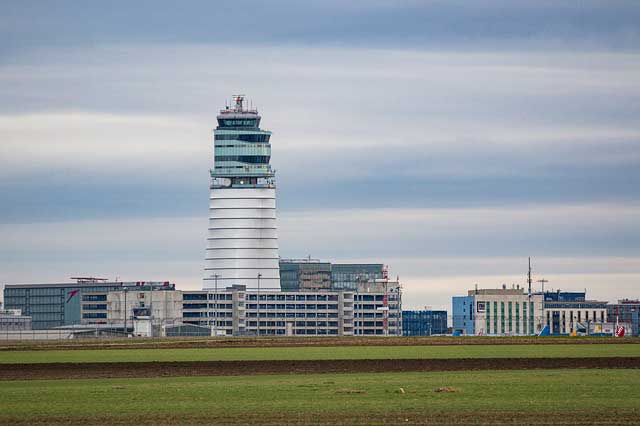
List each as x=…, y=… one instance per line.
x=241, y=149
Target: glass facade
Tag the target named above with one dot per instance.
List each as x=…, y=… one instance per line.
x=296, y=275
x=531, y=319
x=241, y=148
x=347, y=276
x=424, y=323
x=488, y=319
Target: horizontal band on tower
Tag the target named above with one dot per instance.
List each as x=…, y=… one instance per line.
x=241, y=198
x=242, y=238
x=241, y=208
x=266, y=227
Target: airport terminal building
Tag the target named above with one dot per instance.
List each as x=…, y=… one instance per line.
x=59, y=304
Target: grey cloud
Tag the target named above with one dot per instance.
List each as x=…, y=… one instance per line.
x=447, y=129
x=433, y=24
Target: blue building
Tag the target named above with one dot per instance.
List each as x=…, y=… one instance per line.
x=424, y=323
x=463, y=315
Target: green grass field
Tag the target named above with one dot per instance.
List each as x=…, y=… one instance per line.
x=559, y=396
x=335, y=352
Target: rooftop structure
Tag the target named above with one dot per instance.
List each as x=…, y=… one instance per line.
x=308, y=273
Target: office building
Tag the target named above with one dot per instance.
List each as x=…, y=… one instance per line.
x=513, y=312
x=502, y=311
x=567, y=312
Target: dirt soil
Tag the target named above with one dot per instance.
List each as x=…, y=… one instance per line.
x=249, y=342
x=238, y=368
x=569, y=417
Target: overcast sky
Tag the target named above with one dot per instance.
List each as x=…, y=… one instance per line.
x=448, y=139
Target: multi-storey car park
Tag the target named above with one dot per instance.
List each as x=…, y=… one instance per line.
x=376, y=310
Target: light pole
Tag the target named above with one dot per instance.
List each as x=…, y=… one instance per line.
x=259, y=276
x=125, y=311
x=542, y=281
x=215, y=306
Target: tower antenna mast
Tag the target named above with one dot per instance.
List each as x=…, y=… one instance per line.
x=529, y=280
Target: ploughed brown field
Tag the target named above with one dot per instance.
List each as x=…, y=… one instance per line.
x=241, y=368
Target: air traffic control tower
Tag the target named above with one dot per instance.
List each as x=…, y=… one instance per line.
x=242, y=242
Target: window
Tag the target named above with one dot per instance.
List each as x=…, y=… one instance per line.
x=191, y=296
x=531, y=329
x=260, y=137
x=488, y=321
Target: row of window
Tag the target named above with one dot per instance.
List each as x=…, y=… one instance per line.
x=297, y=297
x=207, y=314
x=94, y=297
x=375, y=315
x=242, y=167
x=249, y=159
x=297, y=323
x=293, y=315
x=220, y=296
x=96, y=307
x=283, y=306
x=370, y=331
x=314, y=332
x=244, y=146
x=227, y=123
x=252, y=137
x=94, y=315
x=207, y=306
